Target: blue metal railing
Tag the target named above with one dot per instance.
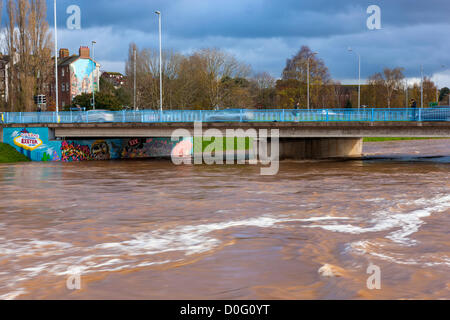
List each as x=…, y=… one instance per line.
x=234, y=115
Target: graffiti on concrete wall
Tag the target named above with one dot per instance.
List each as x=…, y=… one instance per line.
x=82, y=150
x=33, y=143
x=36, y=145
x=155, y=147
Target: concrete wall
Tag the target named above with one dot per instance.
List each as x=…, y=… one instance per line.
x=287, y=130
x=38, y=144
x=320, y=148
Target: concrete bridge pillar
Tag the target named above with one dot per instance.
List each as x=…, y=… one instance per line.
x=320, y=148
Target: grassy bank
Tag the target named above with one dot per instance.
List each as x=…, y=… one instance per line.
x=10, y=155
x=228, y=144
x=396, y=139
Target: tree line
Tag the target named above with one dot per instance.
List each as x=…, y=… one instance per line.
x=28, y=45
x=214, y=79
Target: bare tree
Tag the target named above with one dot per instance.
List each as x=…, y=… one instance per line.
x=391, y=80
x=264, y=85
x=297, y=69
x=40, y=45
x=28, y=43
x=218, y=66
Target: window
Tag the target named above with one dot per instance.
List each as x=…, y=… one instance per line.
x=62, y=72
x=63, y=87
x=67, y=87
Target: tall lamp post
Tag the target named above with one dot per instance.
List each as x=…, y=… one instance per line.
x=421, y=86
x=307, y=90
x=56, y=59
x=93, y=75
x=406, y=92
x=359, y=76
x=160, y=64
x=134, y=93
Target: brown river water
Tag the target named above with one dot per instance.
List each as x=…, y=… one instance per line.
x=152, y=230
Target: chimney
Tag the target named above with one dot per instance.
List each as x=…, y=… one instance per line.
x=63, y=53
x=84, y=52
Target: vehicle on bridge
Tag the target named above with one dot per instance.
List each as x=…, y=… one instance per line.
x=96, y=116
x=229, y=115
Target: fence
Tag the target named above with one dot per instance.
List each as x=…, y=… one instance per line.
x=234, y=115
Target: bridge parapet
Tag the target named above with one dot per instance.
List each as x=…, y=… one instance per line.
x=233, y=115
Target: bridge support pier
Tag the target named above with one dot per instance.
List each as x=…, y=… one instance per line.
x=320, y=148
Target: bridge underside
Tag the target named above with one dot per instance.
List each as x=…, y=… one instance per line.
x=319, y=148
x=286, y=130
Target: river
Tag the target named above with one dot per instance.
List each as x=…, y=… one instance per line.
x=152, y=230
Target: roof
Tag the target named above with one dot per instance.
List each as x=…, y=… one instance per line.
x=112, y=73
x=69, y=60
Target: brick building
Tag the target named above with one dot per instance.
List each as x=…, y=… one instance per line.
x=115, y=78
x=77, y=74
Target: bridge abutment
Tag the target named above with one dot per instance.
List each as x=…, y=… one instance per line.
x=320, y=148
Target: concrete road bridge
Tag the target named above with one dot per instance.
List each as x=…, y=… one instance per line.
x=303, y=134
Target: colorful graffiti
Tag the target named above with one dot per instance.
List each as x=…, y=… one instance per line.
x=36, y=145
x=71, y=151
x=82, y=150
x=33, y=143
x=153, y=147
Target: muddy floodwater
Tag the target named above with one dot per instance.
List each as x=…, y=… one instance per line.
x=152, y=230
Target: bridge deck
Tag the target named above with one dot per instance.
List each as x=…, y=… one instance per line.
x=240, y=115
x=286, y=130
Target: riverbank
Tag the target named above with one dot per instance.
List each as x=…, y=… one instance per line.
x=396, y=139
x=418, y=148
x=10, y=155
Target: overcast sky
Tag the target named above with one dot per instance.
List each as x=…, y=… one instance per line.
x=264, y=33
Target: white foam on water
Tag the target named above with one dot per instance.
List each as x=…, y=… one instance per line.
x=61, y=258
x=191, y=239
x=367, y=247
x=376, y=200
x=188, y=240
x=104, y=257
x=12, y=295
x=403, y=224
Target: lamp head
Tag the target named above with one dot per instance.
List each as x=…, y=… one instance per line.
x=157, y=12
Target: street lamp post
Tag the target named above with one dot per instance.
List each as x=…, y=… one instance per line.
x=56, y=60
x=421, y=86
x=93, y=75
x=307, y=90
x=134, y=94
x=160, y=64
x=359, y=76
x=406, y=92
